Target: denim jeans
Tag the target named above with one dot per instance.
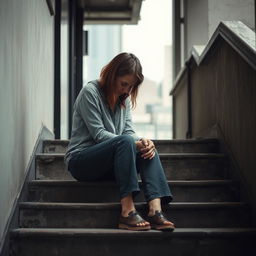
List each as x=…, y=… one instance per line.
x=118, y=159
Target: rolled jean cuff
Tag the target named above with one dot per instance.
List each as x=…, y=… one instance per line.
x=133, y=192
x=165, y=199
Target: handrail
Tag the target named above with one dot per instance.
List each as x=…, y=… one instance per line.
x=236, y=34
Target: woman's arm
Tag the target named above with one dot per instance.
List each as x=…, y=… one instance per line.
x=128, y=126
x=145, y=146
x=88, y=106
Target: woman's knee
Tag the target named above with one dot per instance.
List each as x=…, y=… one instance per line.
x=126, y=142
x=127, y=139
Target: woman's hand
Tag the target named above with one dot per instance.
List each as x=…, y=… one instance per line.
x=146, y=147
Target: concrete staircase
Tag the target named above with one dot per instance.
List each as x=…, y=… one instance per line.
x=64, y=217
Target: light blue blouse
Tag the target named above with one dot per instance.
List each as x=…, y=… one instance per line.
x=94, y=121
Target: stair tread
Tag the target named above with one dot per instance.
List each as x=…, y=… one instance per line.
x=162, y=155
x=178, y=205
x=23, y=232
x=108, y=183
x=200, y=140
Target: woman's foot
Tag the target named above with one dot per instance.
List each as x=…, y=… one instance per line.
x=159, y=222
x=133, y=222
x=128, y=210
x=154, y=212
x=156, y=217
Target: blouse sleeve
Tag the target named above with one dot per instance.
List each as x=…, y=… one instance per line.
x=89, y=108
x=128, y=127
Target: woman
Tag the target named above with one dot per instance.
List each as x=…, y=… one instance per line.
x=103, y=144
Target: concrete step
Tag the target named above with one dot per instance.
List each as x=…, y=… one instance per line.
x=177, y=166
x=105, y=215
x=113, y=242
x=163, y=146
x=99, y=192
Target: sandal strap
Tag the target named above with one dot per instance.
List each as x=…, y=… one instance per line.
x=158, y=218
x=132, y=219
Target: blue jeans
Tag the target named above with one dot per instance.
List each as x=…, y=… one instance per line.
x=118, y=159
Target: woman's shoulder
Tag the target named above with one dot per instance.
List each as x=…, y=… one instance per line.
x=91, y=86
x=89, y=91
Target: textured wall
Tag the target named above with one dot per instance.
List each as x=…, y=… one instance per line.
x=227, y=10
x=224, y=92
x=180, y=110
x=26, y=90
x=203, y=95
x=197, y=24
x=203, y=16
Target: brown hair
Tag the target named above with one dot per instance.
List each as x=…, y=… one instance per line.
x=123, y=64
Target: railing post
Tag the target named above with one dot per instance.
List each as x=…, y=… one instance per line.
x=57, y=63
x=75, y=56
x=189, y=104
x=176, y=38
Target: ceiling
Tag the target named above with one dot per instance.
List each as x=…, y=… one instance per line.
x=111, y=11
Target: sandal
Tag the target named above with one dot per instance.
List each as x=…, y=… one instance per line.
x=157, y=222
x=131, y=222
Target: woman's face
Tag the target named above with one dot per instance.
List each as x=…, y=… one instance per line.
x=124, y=84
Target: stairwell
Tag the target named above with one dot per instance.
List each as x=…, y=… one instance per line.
x=64, y=217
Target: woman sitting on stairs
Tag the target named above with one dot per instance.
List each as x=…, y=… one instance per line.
x=104, y=146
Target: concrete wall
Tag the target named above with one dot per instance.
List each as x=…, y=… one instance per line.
x=219, y=10
x=203, y=16
x=180, y=109
x=26, y=90
x=196, y=24
x=224, y=93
